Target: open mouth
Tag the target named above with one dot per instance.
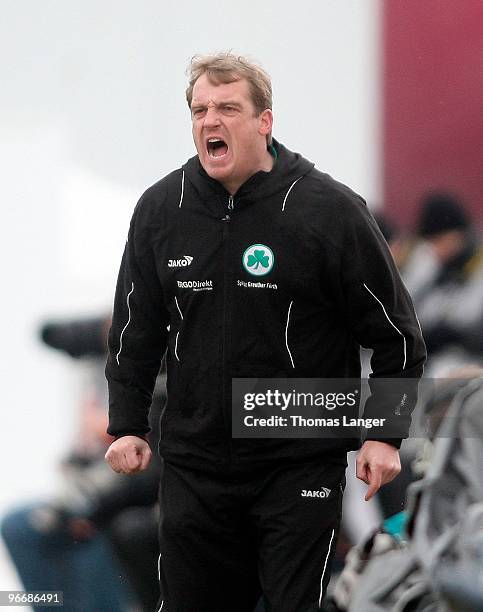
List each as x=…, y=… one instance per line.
x=216, y=147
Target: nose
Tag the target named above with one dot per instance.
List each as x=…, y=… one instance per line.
x=211, y=118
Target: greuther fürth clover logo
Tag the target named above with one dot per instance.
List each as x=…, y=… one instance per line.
x=258, y=259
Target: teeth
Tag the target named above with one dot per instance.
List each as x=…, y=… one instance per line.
x=211, y=150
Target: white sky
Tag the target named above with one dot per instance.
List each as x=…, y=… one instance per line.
x=92, y=111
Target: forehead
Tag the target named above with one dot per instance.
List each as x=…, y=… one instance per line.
x=205, y=91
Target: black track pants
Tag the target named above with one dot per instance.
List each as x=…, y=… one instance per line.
x=227, y=538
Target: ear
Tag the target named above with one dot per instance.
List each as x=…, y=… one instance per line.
x=265, y=122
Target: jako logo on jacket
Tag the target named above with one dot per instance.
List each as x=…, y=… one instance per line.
x=180, y=263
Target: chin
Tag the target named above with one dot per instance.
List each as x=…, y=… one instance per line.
x=216, y=173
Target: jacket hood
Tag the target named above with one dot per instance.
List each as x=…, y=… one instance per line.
x=288, y=167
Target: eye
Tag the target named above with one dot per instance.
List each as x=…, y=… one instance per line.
x=197, y=112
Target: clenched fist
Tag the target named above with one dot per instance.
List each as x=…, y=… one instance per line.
x=128, y=455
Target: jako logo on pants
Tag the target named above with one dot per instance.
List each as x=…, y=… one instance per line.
x=323, y=493
x=258, y=260
x=180, y=263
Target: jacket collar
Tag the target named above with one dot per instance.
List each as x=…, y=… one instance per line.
x=287, y=168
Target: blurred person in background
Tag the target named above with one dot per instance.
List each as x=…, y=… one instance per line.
x=429, y=557
x=445, y=278
x=95, y=539
x=396, y=240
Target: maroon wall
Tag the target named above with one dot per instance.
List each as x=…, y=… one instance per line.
x=433, y=103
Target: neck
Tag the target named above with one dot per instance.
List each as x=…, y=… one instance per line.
x=265, y=165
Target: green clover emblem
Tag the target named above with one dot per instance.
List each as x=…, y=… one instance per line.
x=258, y=259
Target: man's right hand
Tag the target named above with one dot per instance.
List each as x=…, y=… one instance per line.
x=128, y=455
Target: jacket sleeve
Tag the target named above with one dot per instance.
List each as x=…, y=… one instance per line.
x=137, y=338
x=382, y=318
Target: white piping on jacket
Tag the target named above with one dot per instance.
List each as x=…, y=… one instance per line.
x=177, y=335
x=417, y=321
x=325, y=567
x=177, y=306
x=286, y=333
x=159, y=578
x=289, y=190
x=128, y=321
x=182, y=190
x=387, y=317
x=176, y=346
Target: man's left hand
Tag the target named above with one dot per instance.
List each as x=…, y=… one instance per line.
x=377, y=464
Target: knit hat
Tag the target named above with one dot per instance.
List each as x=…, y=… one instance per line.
x=441, y=212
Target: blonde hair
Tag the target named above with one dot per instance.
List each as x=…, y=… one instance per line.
x=226, y=67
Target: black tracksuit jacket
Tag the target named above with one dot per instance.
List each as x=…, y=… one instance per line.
x=189, y=285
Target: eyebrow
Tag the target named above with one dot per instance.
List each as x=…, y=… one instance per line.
x=201, y=105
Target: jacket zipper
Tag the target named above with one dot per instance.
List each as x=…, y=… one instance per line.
x=226, y=221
